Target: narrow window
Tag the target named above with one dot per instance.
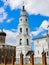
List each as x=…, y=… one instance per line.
x=20, y=41
x=47, y=53
x=26, y=19
x=38, y=51
x=27, y=42
x=20, y=19
x=20, y=30
x=27, y=31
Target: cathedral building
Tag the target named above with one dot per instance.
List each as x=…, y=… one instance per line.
x=23, y=37
x=6, y=50
x=40, y=44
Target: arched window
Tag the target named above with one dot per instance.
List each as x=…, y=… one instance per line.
x=25, y=19
x=20, y=30
x=20, y=19
x=20, y=41
x=27, y=31
x=27, y=42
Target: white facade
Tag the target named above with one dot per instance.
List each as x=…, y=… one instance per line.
x=39, y=45
x=23, y=37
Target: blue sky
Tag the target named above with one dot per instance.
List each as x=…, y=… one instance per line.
x=37, y=12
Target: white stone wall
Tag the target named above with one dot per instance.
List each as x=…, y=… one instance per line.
x=39, y=44
x=38, y=60
x=24, y=50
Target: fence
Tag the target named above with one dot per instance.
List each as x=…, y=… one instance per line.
x=25, y=60
x=22, y=60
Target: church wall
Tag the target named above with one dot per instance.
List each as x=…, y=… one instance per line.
x=38, y=60
x=39, y=44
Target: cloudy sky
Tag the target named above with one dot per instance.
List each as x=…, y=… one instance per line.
x=38, y=17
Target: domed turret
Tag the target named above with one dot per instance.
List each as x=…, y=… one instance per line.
x=2, y=37
x=2, y=33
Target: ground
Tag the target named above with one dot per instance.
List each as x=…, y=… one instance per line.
x=24, y=64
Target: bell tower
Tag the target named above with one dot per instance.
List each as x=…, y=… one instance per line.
x=2, y=37
x=23, y=37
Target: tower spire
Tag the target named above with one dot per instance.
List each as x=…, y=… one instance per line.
x=23, y=11
x=23, y=7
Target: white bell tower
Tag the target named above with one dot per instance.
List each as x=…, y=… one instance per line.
x=23, y=37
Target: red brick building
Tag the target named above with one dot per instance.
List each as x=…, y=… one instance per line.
x=6, y=50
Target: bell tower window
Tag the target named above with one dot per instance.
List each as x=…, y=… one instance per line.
x=20, y=30
x=27, y=42
x=27, y=31
x=26, y=19
x=20, y=19
x=20, y=41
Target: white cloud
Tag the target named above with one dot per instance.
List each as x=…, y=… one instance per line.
x=32, y=6
x=38, y=7
x=14, y=30
x=42, y=27
x=35, y=32
x=12, y=3
x=44, y=34
x=3, y=14
x=9, y=20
